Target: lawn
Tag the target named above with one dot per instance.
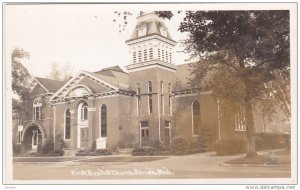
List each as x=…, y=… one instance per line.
x=123, y=159
x=44, y=159
x=272, y=158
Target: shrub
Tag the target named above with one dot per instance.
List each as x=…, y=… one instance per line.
x=93, y=147
x=18, y=149
x=230, y=146
x=99, y=152
x=179, y=145
x=143, y=151
x=264, y=141
x=47, y=147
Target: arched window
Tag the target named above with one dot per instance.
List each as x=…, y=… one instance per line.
x=196, y=117
x=84, y=112
x=37, y=108
x=67, y=124
x=103, y=121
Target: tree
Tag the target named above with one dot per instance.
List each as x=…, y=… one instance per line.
x=20, y=81
x=61, y=73
x=239, y=53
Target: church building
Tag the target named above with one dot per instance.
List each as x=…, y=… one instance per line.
x=149, y=102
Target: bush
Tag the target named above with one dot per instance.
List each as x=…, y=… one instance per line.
x=99, y=152
x=47, y=147
x=230, y=146
x=265, y=141
x=179, y=146
x=143, y=151
x=18, y=149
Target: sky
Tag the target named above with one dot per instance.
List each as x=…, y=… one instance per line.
x=83, y=36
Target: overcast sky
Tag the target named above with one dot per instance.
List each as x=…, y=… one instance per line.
x=81, y=35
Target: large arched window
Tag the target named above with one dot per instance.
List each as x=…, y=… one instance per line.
x=103, y=121
x=84, y=112
x=67, y=124
x=196, y=117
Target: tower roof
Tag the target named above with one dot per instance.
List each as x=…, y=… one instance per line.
x=153, y=24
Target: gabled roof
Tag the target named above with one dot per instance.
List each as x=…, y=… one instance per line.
x=49, y=85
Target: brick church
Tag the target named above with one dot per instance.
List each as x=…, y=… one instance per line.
x=150, y=101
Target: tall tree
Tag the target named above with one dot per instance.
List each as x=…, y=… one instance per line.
x=239, y=52
x=61, y=73
x=20, y=81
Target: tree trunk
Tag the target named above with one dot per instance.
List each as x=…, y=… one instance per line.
x=251, y=152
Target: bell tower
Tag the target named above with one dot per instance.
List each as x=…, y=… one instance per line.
x=150, y=44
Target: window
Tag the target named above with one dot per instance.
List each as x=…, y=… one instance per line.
x=140, y=56
x=150, y=96
x=134, y=57
x=170, y=56
x=67, y=124
x=138, y=92
x=37, y=108
x=161, y=86
x=144, y=132
x=240, y=119
x=170, y=98
x=20, y=133
x=145, y=55
x=167, y=56
x=151, y=53
x=167, y=132
x=196, y=117
x=162, y=104
x=162, y=55
x=158, y=53
x=103, y=121
x=84, y=112
x=149, y=86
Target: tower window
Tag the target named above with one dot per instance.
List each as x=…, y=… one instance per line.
x=149, y=86
x=170, y=55
x=140, y=56
x=167, y=56
x=162, y=55
x=145, y=55
x=134, y=57
x=158, y=53
x=150, y=103
x=151, y=53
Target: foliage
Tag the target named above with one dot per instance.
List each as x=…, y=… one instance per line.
x=97, y=152
x=230, y=147
x=18, y=149
x=60, y=143
x=20, y=81
x=61, y=73
x=179, y=145
x=266, y=141
x=239, y=52
x=47, y=147
x=143, y=151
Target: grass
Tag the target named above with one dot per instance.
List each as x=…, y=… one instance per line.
x=43, y=159
x=276, y=158
x=123, y=159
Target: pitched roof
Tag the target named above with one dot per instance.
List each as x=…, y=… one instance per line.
x=49, y=84
x=113, y=77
